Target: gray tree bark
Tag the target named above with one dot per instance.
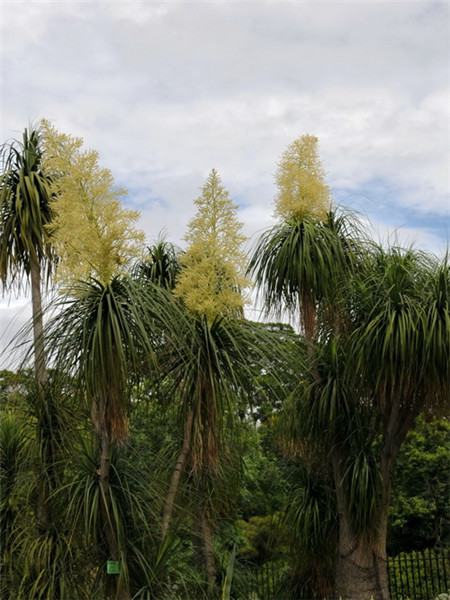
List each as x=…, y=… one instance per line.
x=43, y=508
x=176, y=476
x=38, y=323
x=361, y=567
x=208, y=552
x=116, y=587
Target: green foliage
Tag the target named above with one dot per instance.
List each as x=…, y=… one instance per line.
x=262, y=538
x=100, y=336
x=132, y=499
x=226, y=588
x=401, y=342
x=13, y=386
x=404, y=333
x=420, y=511
x=161, y=265
x=26, y=209
x=362, y=486
x=12, y=442
x=38, y=548
x=311, y=529
x=264, y=486
x=299, y=263
x=325, y=406
x=68, y=559
x=273, y=376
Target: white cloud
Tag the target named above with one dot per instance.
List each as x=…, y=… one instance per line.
x=416, y=237
x=167, y=90
x=14, y=316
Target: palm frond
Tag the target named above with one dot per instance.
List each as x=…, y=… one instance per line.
x=25, y=209
x=161, y=265
x=362, y=486
x=216, y=369
x=402, y=335
x=102, y=336
x=298, y=263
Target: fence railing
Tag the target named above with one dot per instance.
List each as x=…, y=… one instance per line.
x=420, y=575
x=253, y=582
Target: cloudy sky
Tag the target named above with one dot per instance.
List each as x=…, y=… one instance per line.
x=165, y=91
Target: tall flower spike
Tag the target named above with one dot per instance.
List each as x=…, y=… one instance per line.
x=94, y=235
x=302, y=191
x=212, y=279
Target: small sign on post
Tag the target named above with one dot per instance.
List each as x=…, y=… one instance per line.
x=112, y=567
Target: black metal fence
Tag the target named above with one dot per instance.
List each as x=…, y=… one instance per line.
x=253, y=582
x=421, y=575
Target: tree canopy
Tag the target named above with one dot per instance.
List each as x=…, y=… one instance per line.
x=167, y=446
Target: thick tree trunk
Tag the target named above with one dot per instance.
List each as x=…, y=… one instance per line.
x=40, y=371
x=176, y=476
x=38, y=324
x=361, y=567
x=208, y=552
x=308, y=316
x=116, y=588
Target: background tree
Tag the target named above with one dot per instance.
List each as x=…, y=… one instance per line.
x=358, y=301
x=297, y=262
x=26, y=248
x=420, y=514
x=401, y=347
x=27, y=254
x=218, y=344
x=96, y=335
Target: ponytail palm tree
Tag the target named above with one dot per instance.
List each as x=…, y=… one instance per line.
x=208, y=287
x=363, y=392
x=26, y=248
x=381, y=326
x=214, y=369
x=27, y=254
x=401, y=356
x=160, y=266
x=219, y=350
x=300, y=263
x=100, y=336
x=100, y=332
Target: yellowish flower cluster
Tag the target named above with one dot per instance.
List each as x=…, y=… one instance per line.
x=302, y=191
x=93, y=234
x=212, y=279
